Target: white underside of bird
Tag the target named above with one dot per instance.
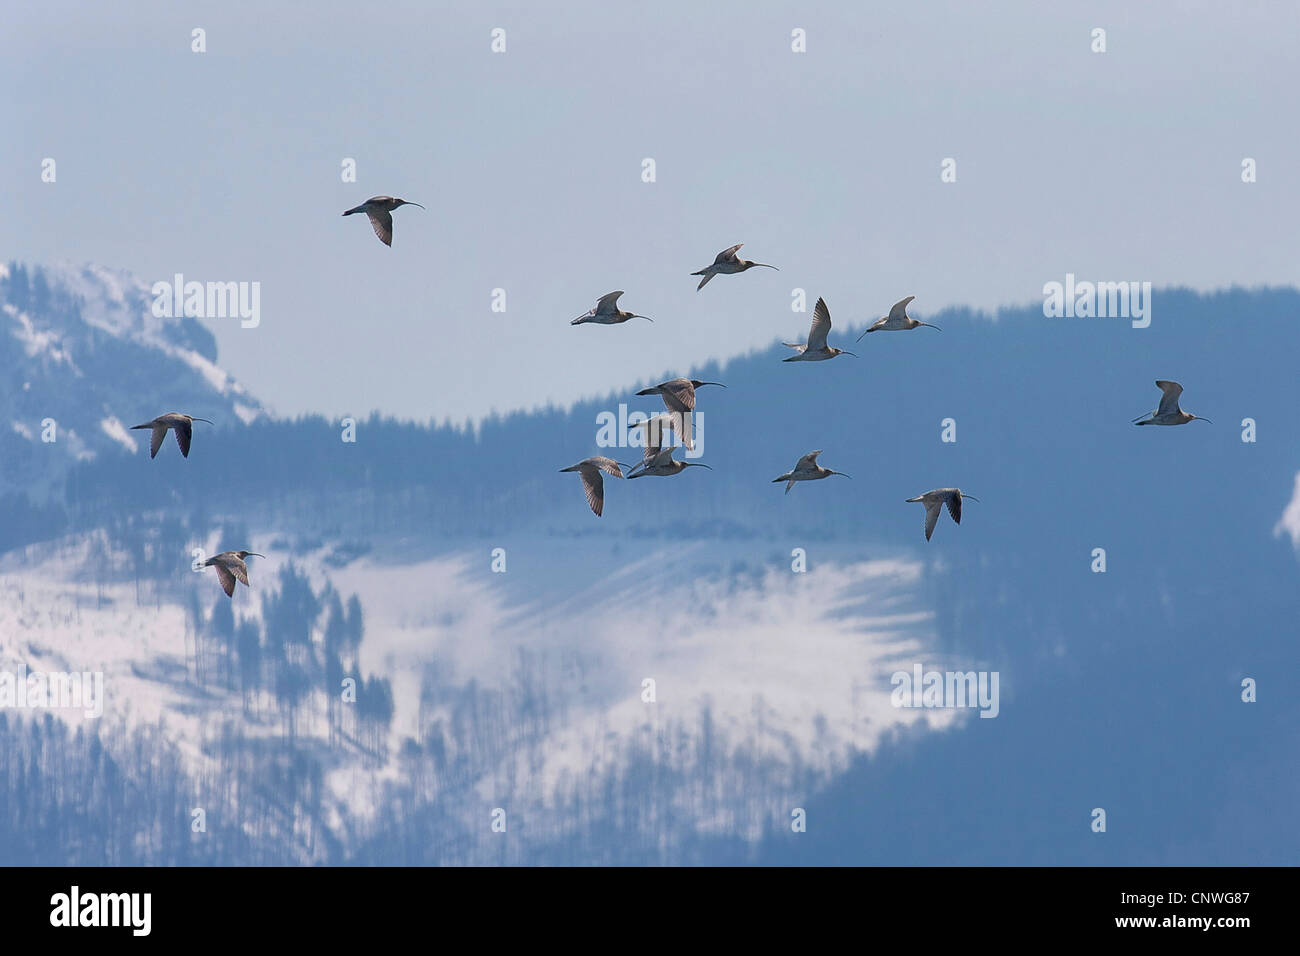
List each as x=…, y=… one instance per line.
x=936, y=500
x=816, y=349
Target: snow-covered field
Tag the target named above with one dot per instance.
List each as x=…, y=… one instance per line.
x=792, y=667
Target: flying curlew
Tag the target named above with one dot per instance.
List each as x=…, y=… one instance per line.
x=898, y=319
x=679, y=397
x=230, y=565
x=182, y=424
x=807, y=469
x=1168, y=413
x=816, y=350
x=662, y=464
x=934, y=500
x=380, y=210
x=654, y=426
x=607, y=312
x=593, y=484
x=727, y=263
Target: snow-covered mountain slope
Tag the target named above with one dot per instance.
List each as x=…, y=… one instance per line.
x=763, y=682
x=83, y=358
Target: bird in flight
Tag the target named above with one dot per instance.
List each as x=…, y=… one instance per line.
x=727, y=263
x=679, y=398
x=230, y=565
x=816, y=350
x=654, y=427
x=181, y=424
x=380, y=210
x=593, y=484
x=807, y=469
x=898, y=319
x=607, y=312
x=934, y=500
x=662, y=463
x=1168, y=413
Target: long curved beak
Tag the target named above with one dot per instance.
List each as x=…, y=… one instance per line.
x=862, y=336
x=765, y=266
x=407, y=203
x=646, y=317
x=847, y=352
x=1198, y=418
x=648, y=391
x=841, y=474
x=719, y=384
x=965, y=496
x=929, y=326
x=254, y=554
x=203, y=420
x=697, y=464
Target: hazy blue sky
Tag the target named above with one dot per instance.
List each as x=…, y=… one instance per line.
x=226, y=166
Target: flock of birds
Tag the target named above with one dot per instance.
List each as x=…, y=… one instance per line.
x=678, y=396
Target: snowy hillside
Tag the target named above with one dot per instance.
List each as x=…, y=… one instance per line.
x=81, y=348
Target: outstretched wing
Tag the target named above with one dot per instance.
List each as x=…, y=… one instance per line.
x=382, y=220
x=664, y=457
x=227, y=580
x=240, y=570
x=608, y=465
x=608, y=302
x=184, y=430
x=679, y=395
x=1169, y=400
x=156, y=439
x=594, y=486
x=899, y=309
x=653, y=434
x=931, y=517
x=808, y=462
x=954, y=506
x=728, y=255
x=821, y=326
